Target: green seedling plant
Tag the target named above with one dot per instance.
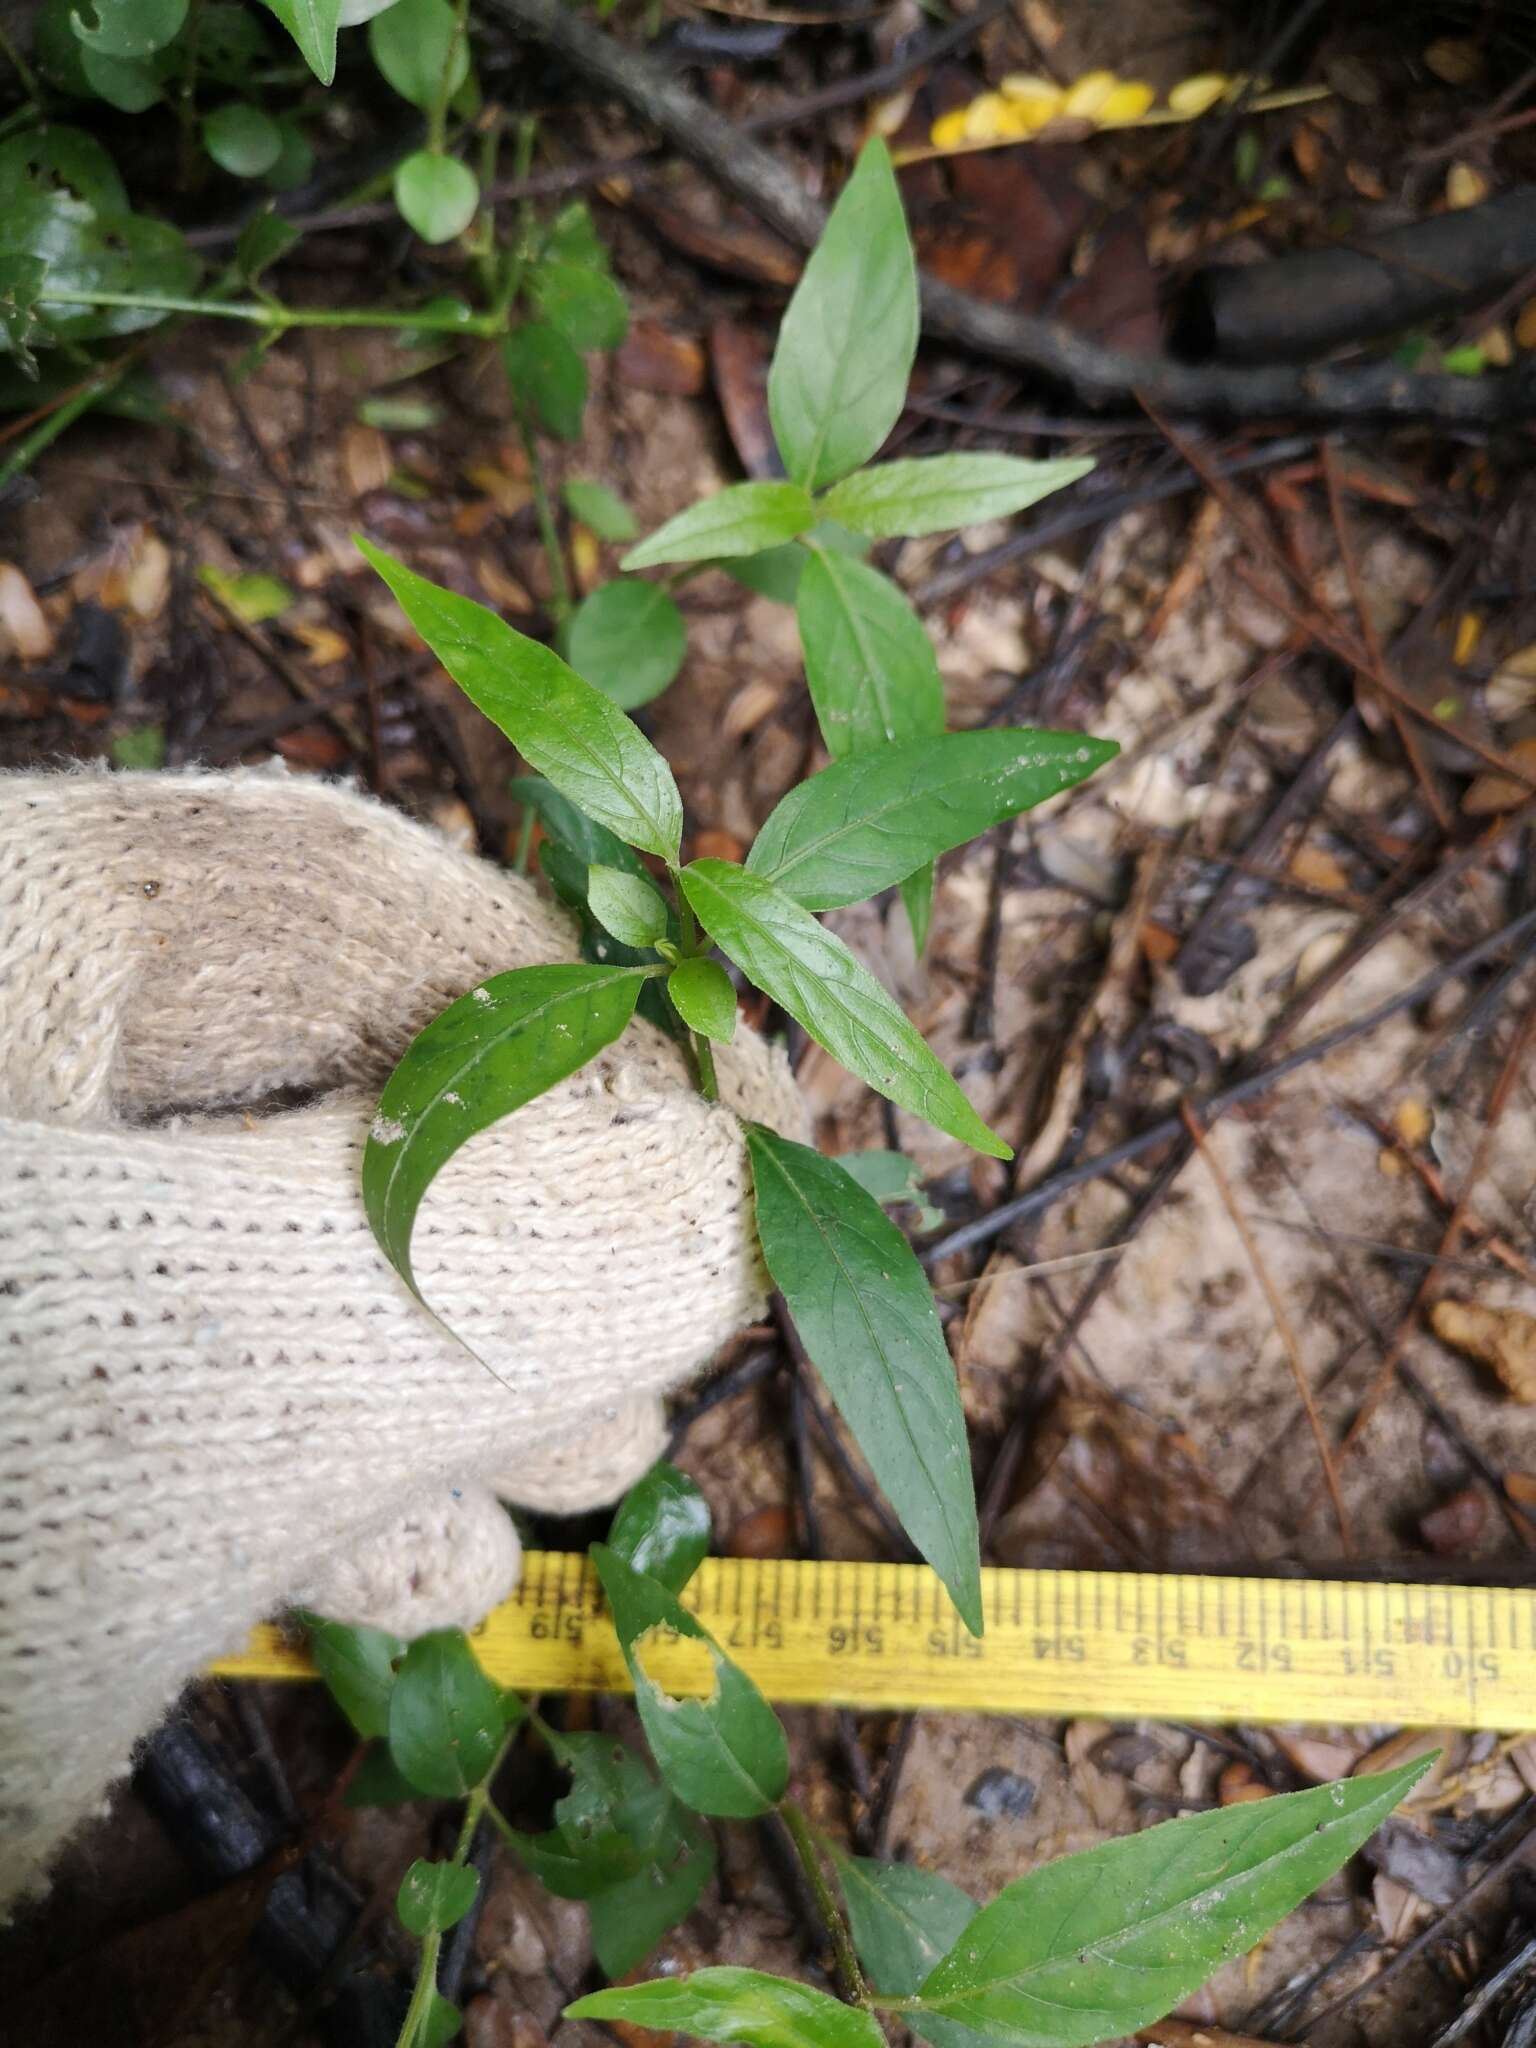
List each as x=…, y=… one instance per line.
x=1087, y=1948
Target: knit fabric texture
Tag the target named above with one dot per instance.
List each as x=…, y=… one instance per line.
x=217, y=1394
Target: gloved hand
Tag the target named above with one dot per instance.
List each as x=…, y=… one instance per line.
x=217, y=1395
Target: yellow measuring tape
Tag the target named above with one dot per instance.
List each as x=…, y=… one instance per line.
x=1113, y=1644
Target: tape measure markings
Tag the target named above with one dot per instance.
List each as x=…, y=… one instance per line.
x=1114, y=1644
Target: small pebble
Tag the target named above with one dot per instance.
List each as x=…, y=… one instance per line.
x=1001, y=1795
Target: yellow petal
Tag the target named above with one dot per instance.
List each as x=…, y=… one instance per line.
x=1197, y=95
x=948, y=132
x=991, y=119
x=1087, y=95
x=1026, y=90
x=1464, y=186
x=1128, y=102
x=1469, y=630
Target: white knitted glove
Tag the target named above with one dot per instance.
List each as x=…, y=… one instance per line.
x=216, y=1394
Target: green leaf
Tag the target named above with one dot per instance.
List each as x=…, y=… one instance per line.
x=131, y=84
x=739, y=521
x=253, y=596
x=917, y=902
x=436, y=195
x=506, y=1042
x=241, y=139
x=705, y=999
x=411, y=43
x=141, y=747
x=312, y=24
x=839, y=374
x=631, y=1917
x=570, y=827
x=446, y=1718
x=439, y=2024
x=728, y=2004
x=813, y=976
x=725, y=1755
x=865, y=1314
x=581, y=300
x=869, y=664
x=546, y=373
x=377, y=1781
x=86, y=250
x=776, y=572
x=231, y=43
x=128, y=28
x=21, y=280
x=662, y=1527
x=435, y=1896
x=632, y=909
x=295, y=159
x=41, y=162
x=1095, y=1946
x=933, y=493
x=598, y=507
x=629, y=640
x=265, y=239
x=903, y=1919
x=358, y=1667
x=573, y=237
x=892, y=1178
x=570, y=732
x=865, y=823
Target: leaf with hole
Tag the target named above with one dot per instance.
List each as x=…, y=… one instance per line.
x=662, y=1527
x=1094, y=1946
x=846, y=344
x=724, y=1755
x=128, y=28
x=571, y=733
x=610, y=1826
x=241, y=139
x=812, y=975
x=741, y=520
x=436, y=195
x=865, y=1313
x=628, y=638
x=730, y=2004
x=866, y=822
x=435, y=1896
x=85, y=251
x=446, y=1718
x=505, y=1043
x=934, y=493
x=312, y=24
x=601, y=509
x=413, y=43
x=546, y=373
x=358, y=1667
x=631, y=908
x=705, y=999
x=21, y=281
x=39, y=163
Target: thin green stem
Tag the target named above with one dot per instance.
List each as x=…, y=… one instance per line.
x=437, y=118
x=687, y=924
x=19, y=65
x=522, y=238
x=543, y=512
x=704, y=1060
x=524, y=840
x=804, y=1839
x=64, y=414
x=259, y=313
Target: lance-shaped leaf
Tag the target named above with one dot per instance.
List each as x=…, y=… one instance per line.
x=904, y=1919
x=865, y=1314
x=662, y=1527
x=446, y=1719
x=630, y=1918
x=869, y=664
x=1095, y=1946
x=728, y=2004
x=868, y=821
x=932, y=493
x=724, y=1755
x=564, y=728
x=504, y=1043
x=812, y=975
x=740, y=521
x=312, y=24
x=846, y=343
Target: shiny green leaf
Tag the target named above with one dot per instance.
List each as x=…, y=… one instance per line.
x=631, y=908
x=739, y=521
x=869, y=664
x=1092, y=1947
x=21, y=282
x=40, y=162
x=312, y=24
x=811, y=974
x=728, y=2004
x=571, y=733
x=412, y=44
x=628, y=639
x=506, y=1042
x=358, y=1667
x=131, y=84
x=630, y=1918
x=903, y=1919
x=933, y=493
x=917, y=902
x=866, y=822
x=436, y=195
x=865, y=1313
x=241, y=139
x=546, y=373
x=705, y=999
x=435, y=1896
x=84, y=250
x=601, y=509
x=839, y=374
x=662, y=1527
x=128, y=28
x=725, y=1755
x=446, y=1718
x=439, y=2024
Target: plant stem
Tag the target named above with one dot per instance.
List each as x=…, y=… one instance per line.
x=524, y=840
x=522, y=238
x=62, y=415
x=543, y=511
x=437, y=119
x=804, y=1839
x=186, y=101
x=704, y=1060
x=256, y=313
x=19, y=65
x=431, y=1942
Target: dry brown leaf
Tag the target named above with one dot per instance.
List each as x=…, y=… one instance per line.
x=1464, y=186
x=1412, y=1120
x=1490, y=791
x=1523, y=1757
x=1525, y=325
x=1239, y=1784
x=366, y=458
x=1307, y=149
x=1405, y=1747
x=503, y=590
x=24, y=628
x=146, y=576
x=1455, y=59
x=1397, y=1908
x=1497, y=350
x=323, y=645
x=509, y=494
x=1365, y=181
x=652, y=359
x=717, y=845
x=751, y=704
x=1521, y=1488
x=586, y=559
x=1503, y=1338
x=1158, y=943
x=1320, y=1757
x=1315, y=866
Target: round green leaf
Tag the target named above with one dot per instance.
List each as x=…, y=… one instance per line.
x=435, y=1896
x=358, y=1667
x=242, y=140
x=702, y=994
x=546, y=373
x=436, y=195
x=411, y=42
x=446, y=1718
x=662, y=1527
x=131, y=84
x=128, y=28
x=627, y=905
x=295, y=159
x=57, y=51
x=628, y=638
